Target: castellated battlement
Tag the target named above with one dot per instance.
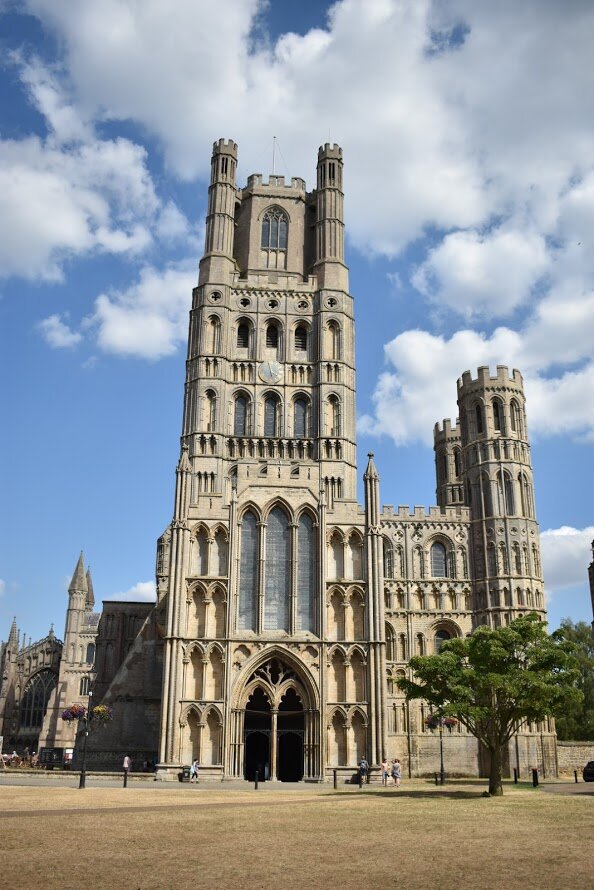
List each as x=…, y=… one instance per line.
x=446, y=433
x=416, y=513
x=329, y=151
x=225, y=146
x=484, y=380
x=256, y=181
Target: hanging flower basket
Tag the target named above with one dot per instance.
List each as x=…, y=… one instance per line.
x=434, y=721
x=74, y=712
x=97, y=715
x=101, y=714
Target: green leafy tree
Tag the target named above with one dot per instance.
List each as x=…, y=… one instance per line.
x=496, y=680
x=577, y=723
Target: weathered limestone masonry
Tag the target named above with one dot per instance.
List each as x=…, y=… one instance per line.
x=288, y=611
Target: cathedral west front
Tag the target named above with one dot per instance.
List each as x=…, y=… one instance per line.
x=286, y=611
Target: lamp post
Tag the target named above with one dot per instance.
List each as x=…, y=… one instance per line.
x=438, y=721
x=83, y=767
x=441, y=769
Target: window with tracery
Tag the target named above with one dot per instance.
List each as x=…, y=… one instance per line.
x=440, y=637
x=439, y=560
x=36, y=697
x=289, y=597
x=275, y=229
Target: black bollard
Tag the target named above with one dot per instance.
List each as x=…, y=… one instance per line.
x=535, y=778
x=335, y=779
x=256, y=781
x=515, y=775
x=125, y=778
x=360, y=779
x=575, y=776
x=436, y=779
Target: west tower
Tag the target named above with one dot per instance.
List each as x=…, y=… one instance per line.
x=272, y=651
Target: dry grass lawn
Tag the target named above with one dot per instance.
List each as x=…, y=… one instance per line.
x=418, y=837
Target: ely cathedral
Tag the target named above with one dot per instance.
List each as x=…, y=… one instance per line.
x=286, y=611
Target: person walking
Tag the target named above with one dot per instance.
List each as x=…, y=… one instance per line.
x=127, y=765
x=385, y=772
x=194, y=772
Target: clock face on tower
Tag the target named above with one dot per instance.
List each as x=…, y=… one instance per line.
x=270, y=372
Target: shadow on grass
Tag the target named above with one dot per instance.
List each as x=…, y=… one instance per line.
x=452, y=794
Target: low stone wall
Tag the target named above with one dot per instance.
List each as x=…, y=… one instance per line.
x=574, y=756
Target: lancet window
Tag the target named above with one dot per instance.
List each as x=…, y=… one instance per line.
x=271, y=596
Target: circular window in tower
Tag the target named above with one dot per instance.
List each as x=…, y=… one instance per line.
x=303, y=305
x=272, y=304
x=215, y=297
x=331, y=303
x=244, y=302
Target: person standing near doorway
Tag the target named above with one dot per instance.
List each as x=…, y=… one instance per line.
x=194, y=772
x=363, y=769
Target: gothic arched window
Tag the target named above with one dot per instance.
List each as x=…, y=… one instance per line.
x=478, y=414
x=35, y=699
x=497, y=416
x=438, y=560
x=213, y=334
x=333, y=340
x=243, y=335
x=210, y=410
x=301, y=417
x=271, y=335
x=306, y=574
x=271, y=416
x=84, y=686
x=248, y=572
x=440, y=637
x=301, y=338
x=334, y=416
x=277, y=581
x=240, y=416
x=275, y=229
x=90, y=656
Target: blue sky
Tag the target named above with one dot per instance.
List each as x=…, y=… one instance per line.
x=469, y=175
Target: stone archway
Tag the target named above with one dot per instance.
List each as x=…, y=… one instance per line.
x=274, y=727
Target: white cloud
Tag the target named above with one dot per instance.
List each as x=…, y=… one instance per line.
x=150, y=318
x=72, y=193
x=144, y=591
x=458, y=132
x=57, y=334
x=566, y=554
x=487, y=276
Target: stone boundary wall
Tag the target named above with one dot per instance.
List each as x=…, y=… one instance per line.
x=574, y=756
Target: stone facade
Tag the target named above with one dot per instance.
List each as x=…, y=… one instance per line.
x=39, y=680
x=289, y=610
x=286, y=612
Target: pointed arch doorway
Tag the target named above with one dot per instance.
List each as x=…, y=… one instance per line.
x=276, y=730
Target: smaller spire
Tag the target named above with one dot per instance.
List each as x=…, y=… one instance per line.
x=51, y=634
x=184, y=465
x=13, y=637
x=79, y=582
x=371, y=471
x=90, y=601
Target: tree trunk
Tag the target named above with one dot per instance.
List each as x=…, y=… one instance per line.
x=495, y=777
